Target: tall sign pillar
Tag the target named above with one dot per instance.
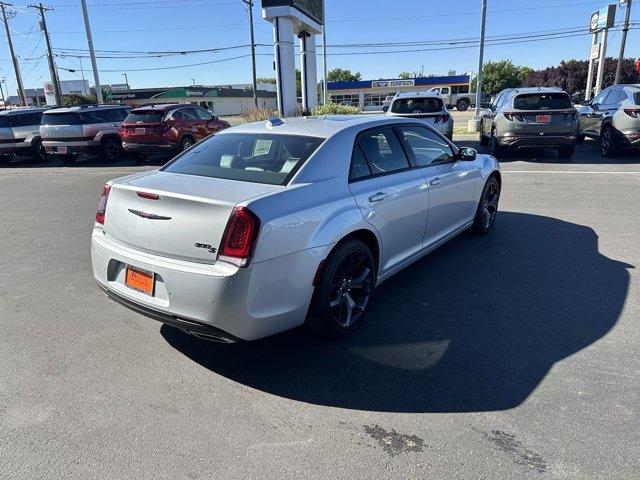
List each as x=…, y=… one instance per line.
x=600, y=21
x=291, y=18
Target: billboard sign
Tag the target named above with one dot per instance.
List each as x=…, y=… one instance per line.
x=314, y=9
x=595, y=51
x=50, y=93
x=603, y=18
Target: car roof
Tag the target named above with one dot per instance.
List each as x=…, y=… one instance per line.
x=20, y=111
x=320, y=126
x=163, y=107
x=417, y=94
x=519, y=91
x=83, y=108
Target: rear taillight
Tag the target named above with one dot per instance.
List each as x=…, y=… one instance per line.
x=238, y=241
x=102, y=204
x=570, y=116
x=632, y=112
x=511, y=116
x=443, y=118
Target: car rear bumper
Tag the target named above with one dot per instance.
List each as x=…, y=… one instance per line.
x=631, y=138
x=216, y=301
x=150, y=148
x=515, y=140
x=72, y=148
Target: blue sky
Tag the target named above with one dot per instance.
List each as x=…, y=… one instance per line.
x=152, y=25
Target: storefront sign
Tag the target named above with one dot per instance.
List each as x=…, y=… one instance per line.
x=603, y=18
x=392, y=83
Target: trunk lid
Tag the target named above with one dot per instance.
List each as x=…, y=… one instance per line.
x=189, y=210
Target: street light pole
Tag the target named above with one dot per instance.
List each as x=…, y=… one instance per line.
x=94, y=65
x=481, y=58
x=126, y=79
x=623, y=41
x=249, y=4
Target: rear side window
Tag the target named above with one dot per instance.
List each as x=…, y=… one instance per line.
x=145, y=116
x=71, y=118
x=383, y=151
x=103, y=116
x=26, y=119
x=189, y=113
x=359, y=166
x=636, y=98
x=542, y=101
x=248, y=157
x=417, y=105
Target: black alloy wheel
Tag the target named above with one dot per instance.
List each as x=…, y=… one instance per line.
x=488, y=206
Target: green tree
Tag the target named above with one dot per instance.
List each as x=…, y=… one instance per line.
x=500, y=75
x=409, y=75
x=342, y=75
x=266, y=80
x=74, y=99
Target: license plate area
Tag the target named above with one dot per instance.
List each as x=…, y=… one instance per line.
x=140, y=131
x=62, y=150
x=140, y=280
x=543, y=118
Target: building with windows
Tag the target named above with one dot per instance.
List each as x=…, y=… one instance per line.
x=370, y=94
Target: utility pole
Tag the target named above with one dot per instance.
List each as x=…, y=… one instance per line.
x=483, y=24
x=249, y=4
x=87, y=26
x=623, y=41
x=2, y=92
x=52, y=66
x=16, y=67
x=84, y=82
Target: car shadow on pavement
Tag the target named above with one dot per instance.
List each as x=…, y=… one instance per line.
x=474, y=326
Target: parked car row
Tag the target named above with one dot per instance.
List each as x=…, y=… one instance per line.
x=105, y=130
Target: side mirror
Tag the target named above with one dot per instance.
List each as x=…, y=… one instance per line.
x=467, y=154
x=385, y=108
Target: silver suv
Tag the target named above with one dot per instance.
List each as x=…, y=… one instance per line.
x=426, y=106
x=613, y=118
x=530, y=118
x=87, y=129
x=19, y=134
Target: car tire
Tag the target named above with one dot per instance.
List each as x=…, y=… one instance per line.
x=462, y=105
x=566, y=152
x=494, y=147
x=608, y=142
x=38, y=152
x=111, y=149
x=343, y=291
x=482, y=138
x=488, y=206
x=186, y=143
x=580, y=139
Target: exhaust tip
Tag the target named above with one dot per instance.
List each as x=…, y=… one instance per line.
x=210, y=337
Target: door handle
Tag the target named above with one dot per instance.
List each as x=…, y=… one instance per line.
x=435, y=181
x=378, y=197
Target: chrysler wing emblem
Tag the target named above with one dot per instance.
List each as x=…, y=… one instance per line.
x=148, y=216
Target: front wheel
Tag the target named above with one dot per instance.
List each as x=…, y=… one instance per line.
x=343, y=292
x=185, y=144
x=488, y=206
x=495, y=149
x=38, y=152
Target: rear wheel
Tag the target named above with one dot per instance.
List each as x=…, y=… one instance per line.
x=608, y=145
x=462, y=105
x=343, y=292
x=186, y=143
x=488, y=206
x=111, y=149
x=566, y=152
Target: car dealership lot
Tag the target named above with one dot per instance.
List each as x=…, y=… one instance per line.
x=513, y=355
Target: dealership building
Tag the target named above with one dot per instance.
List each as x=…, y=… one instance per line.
x=227, y=100
x=369, y=94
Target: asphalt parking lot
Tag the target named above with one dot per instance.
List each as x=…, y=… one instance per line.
x=513, y=355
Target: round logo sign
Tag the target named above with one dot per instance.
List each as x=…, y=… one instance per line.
x=48, y=88
x=595, y=18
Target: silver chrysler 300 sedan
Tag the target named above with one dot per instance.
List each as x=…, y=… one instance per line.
x=268, y=226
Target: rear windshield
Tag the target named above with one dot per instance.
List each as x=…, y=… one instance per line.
x=417, y=105
x=146, y=116
x=255, y=158
x=61, y=119
x=542, y=101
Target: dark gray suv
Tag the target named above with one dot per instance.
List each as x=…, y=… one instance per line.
x=530, y=118
x=613, y=118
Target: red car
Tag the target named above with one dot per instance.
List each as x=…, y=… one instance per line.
x=167, y=129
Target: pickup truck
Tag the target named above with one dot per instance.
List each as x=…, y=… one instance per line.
x=456, y=96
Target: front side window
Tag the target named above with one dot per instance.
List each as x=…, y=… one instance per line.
x=428, y=147
x=247, y=157
x=600, y=98
x=444, y=91
x=202, y=114
x=189, y=113
x=383, y=151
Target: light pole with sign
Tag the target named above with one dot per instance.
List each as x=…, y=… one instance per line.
x=600, y=21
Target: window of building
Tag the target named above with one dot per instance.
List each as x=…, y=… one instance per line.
x=376, y=99
x=352, y=99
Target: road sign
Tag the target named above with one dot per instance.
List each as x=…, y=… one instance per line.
x=603, y=18
x=595, y=51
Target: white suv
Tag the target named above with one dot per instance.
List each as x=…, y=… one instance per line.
x=426, y=106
